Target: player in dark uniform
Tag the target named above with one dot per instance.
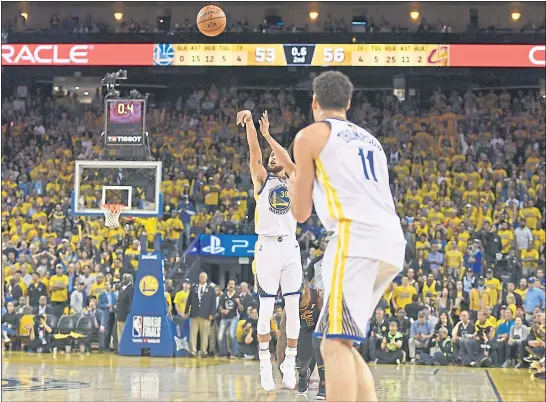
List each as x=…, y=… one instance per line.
x=308, y=347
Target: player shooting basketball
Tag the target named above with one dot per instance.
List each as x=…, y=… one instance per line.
x=277, y=254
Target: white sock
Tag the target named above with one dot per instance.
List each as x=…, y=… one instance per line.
x=290, y=352
x=263, y=348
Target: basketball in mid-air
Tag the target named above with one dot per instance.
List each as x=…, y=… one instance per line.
x=211, y=20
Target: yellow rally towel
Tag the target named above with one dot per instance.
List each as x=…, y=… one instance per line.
x=61, y=336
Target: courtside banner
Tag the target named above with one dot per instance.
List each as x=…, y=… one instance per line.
x=78, y=54
x=269, y=55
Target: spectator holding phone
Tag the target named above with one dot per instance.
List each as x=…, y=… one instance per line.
x=444, y=350
x=40, y=335
x=250, y=336
x=391, y=346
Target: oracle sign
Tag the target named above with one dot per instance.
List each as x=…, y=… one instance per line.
x=537, y=55
x=497, y=56
x=45, y=54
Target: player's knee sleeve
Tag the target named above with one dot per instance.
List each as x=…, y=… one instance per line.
x=267, y=305
x=292, y=309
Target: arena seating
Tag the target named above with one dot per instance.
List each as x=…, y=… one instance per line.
x=467, y=173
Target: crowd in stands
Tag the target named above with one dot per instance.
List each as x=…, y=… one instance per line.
x=328, y=23
x=468, y=180
x=205, y=182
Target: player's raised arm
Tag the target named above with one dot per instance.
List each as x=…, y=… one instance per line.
x=307, y=147
x=280, y=152
x=257, y=169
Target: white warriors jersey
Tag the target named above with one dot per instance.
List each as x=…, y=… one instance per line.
x=273, y=216
x=352, y=195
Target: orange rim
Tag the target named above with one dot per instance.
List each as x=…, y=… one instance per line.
x=113, y=208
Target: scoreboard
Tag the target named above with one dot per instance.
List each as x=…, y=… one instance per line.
x=358, y=55
x=242, y=55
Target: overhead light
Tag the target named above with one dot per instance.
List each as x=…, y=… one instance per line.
x=77, y=87
x=86, y=93
x=55, y=88
x=414, y=15
x=516, y=16
x=24, y=15
x=118, y=16
x=354, y=39
x=313, y=15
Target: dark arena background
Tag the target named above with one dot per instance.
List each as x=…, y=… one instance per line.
x=125, y=109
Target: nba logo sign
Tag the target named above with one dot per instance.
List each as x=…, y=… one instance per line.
x=137, y=326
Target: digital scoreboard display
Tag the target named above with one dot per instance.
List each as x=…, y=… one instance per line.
x=324, y=55
x=125, y=121
x=500, y=55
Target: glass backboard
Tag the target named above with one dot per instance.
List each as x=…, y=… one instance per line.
x=134, y=184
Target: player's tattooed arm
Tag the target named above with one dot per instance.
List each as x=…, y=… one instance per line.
x=280, y=152
x=257, y=170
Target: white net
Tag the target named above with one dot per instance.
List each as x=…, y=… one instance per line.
x=112, y=213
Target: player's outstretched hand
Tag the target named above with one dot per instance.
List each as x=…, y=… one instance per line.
x=264, y=124
x=244, y=117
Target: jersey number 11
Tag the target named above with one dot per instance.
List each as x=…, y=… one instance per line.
x=367, y=164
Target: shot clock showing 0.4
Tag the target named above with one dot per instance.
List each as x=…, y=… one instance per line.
x=125, y=110
x=126, y=107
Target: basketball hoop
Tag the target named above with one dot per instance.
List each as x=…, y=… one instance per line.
x=111, y=214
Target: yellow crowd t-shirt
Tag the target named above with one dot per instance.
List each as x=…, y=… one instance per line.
x=180, y=299
x=402, y=295
x=59, y=295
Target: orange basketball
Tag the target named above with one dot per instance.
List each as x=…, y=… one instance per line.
x=211, y=20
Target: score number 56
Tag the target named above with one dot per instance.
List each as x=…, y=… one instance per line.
x=334, y=55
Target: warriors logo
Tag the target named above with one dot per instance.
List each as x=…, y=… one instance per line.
x=148, y=285
x=279, y=203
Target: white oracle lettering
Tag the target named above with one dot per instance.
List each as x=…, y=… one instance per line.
x=45, y=54
x=535, y=50
x=7, y=53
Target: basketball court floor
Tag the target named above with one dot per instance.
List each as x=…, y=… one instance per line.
x=106, y=377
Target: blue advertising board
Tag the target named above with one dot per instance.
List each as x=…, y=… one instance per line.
x=224, y=245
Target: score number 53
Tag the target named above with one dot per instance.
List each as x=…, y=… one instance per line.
x=265, y=55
